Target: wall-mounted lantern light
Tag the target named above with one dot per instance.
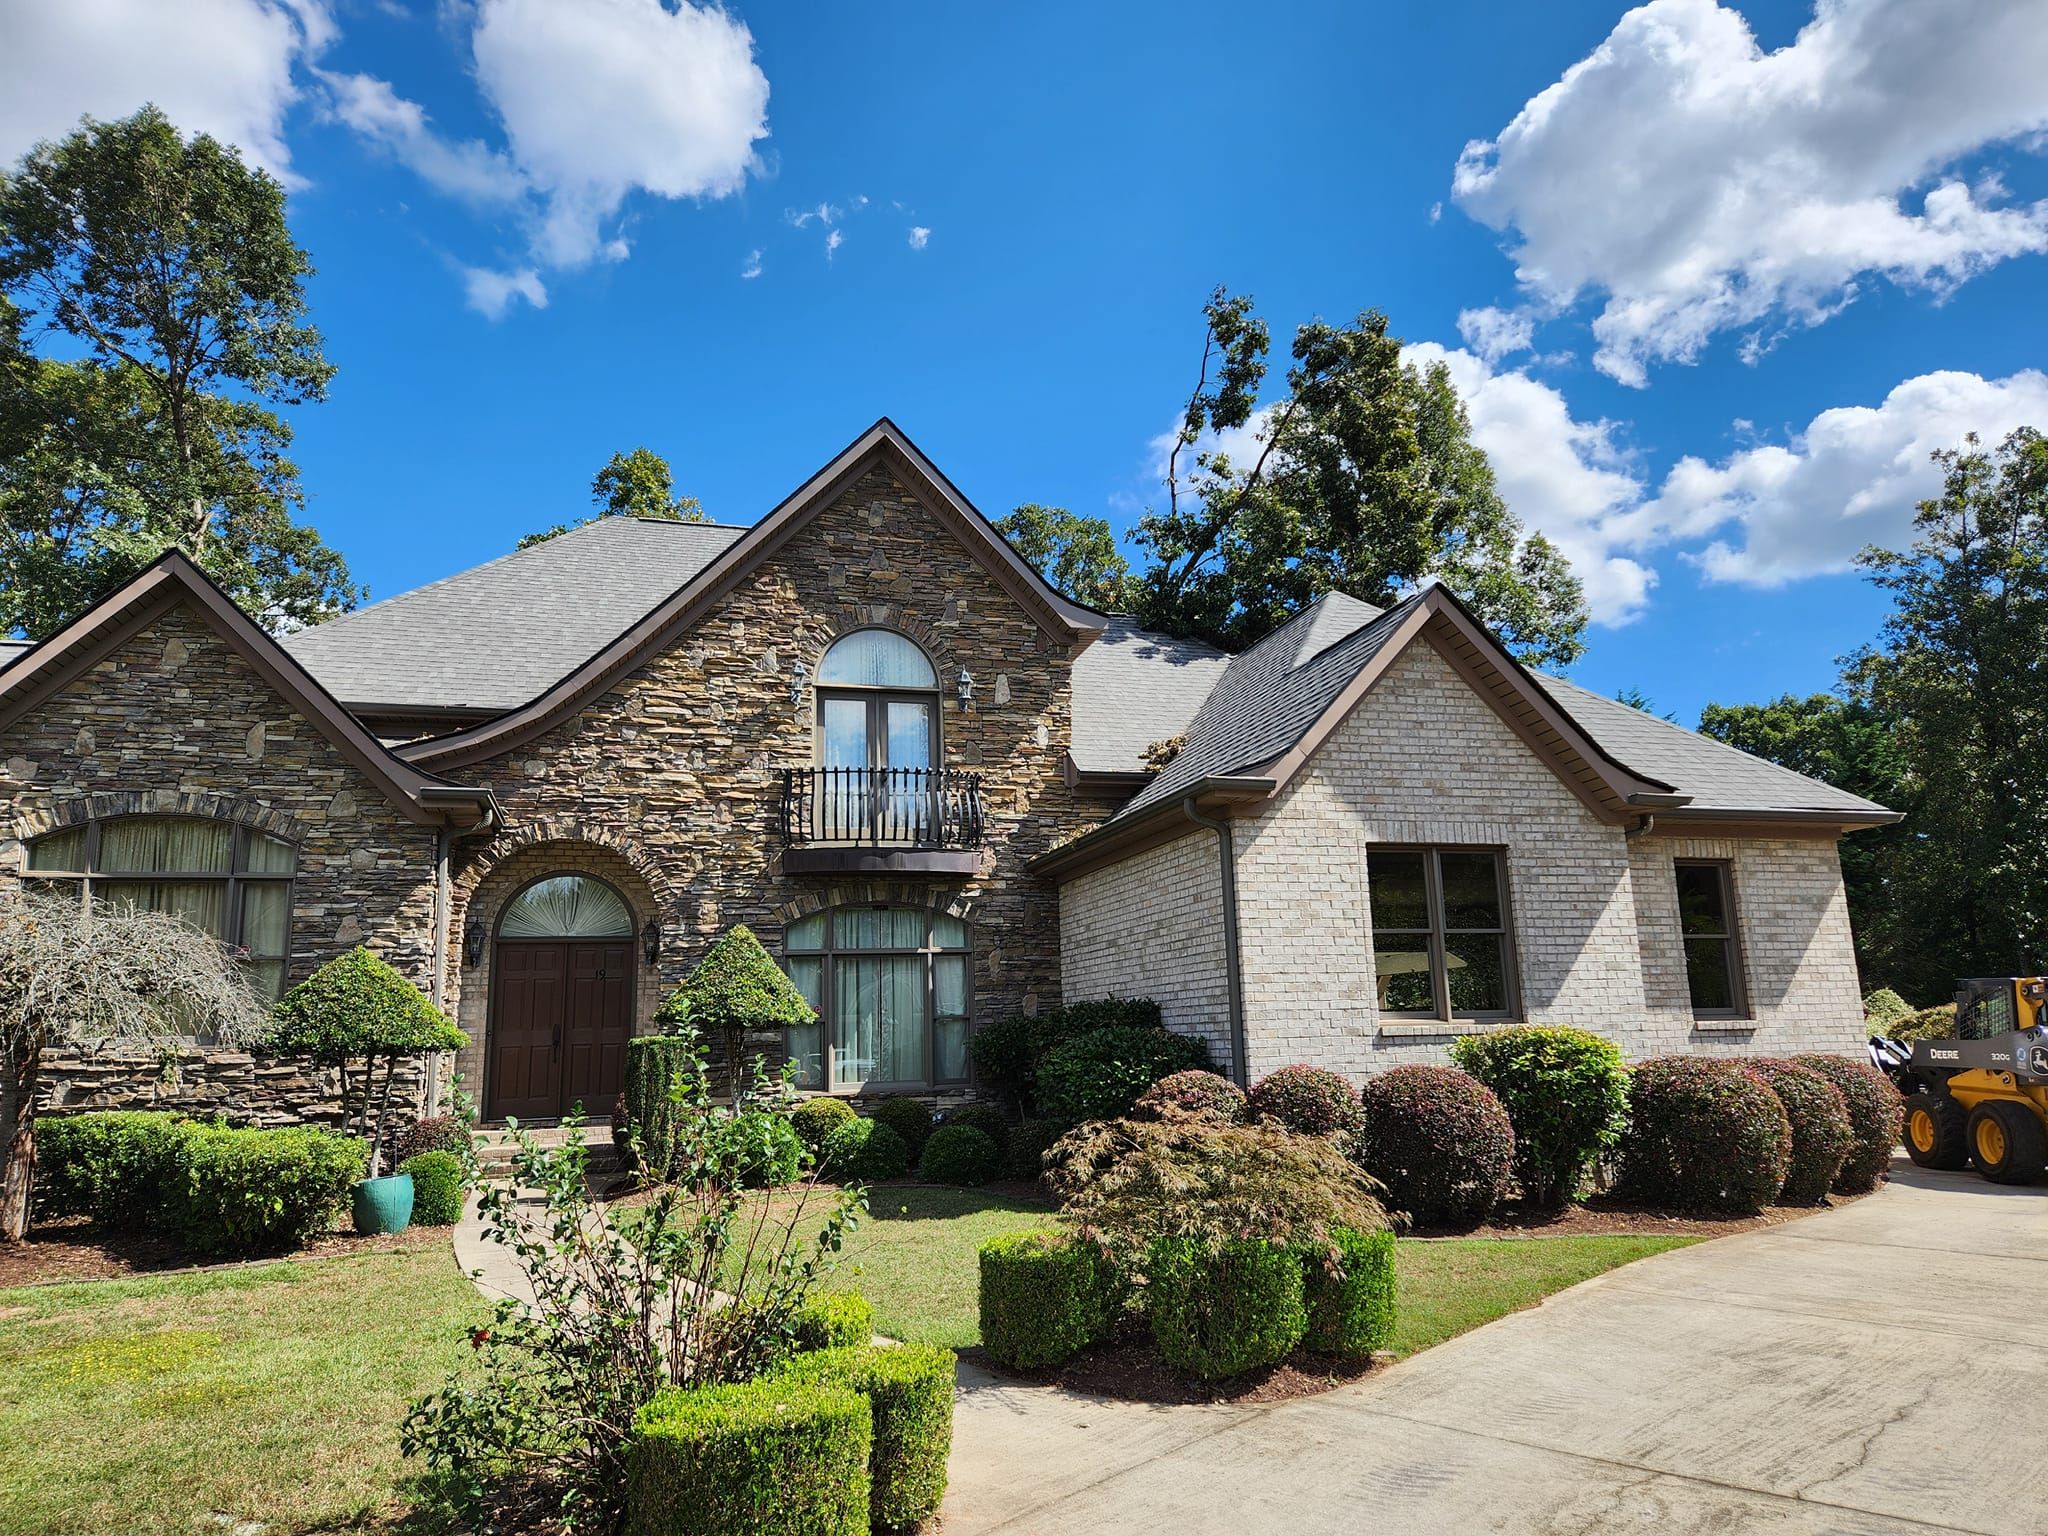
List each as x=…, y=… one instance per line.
x=473, y=942
x=650, y=940
x=965, y=684
x=799, y=675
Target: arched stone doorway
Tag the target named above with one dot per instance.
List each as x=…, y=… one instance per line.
x=561, y=999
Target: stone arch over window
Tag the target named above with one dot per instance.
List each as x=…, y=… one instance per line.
x=876, y=657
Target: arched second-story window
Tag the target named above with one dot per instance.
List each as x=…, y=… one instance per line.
x=231, y=880
x=878, y=737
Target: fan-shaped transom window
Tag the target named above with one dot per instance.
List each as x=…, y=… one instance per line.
x=233, y=881
x=567, y=907
x=876, y=658
x=892, y=987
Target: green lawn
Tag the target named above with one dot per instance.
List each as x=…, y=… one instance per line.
x=1449, y=1286
x=270, y=1393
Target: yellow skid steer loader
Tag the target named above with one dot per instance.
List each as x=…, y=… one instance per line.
x=1982, y=1097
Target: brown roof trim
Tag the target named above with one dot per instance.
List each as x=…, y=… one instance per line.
x=173, y=580
x=1709, y=821
x=1157, y=824
x=1067, y=622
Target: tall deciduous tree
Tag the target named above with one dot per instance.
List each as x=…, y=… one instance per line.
x=1362, y=477
x=1076, y=554
x=636, y=484
x=152, y=319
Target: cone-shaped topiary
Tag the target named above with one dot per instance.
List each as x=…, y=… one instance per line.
x=736, y=987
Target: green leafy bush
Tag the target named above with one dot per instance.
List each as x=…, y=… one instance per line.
x=434, y=1133
x=1821, y=1135
x=1197, y=1092
x=773, y=1154
x=1001, y=1050
x=909, y=1388
x=816, y=1118
x=1007, y=1051
x=1703, y=1135
x=1098, y=1075
x=1566, y=1094
x=1439, y=1141
x=1875, y=1115
x=764, y=1458
x=250, y=1192
x=112, y=1165
x=1310, y=1101
x=1030, y=1140
x=437, y=1188
x=1044, y=1296
x=735, y=988
x=652, y=1064
x=1884, y=1008
x=834, y=1320
x=1220, y=1312
x=909, y=1118
x=987, y=1119
x=959, y=1154
x=1349, y=1293
x=1937, y=1023
x=862, y=1151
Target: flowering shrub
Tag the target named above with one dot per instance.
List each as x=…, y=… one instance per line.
x=1309, y=1101
x=434, y=1133
x=1875, y=1112
x=1704, y=1134
x=1192, y=1093
x=1439, y=1141
x=1566, y=1094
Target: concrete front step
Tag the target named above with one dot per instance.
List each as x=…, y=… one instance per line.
x=496, y=1149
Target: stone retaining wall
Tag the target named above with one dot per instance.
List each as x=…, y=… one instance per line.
x=262, y=1089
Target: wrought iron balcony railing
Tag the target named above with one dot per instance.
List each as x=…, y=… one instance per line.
x=912, y=808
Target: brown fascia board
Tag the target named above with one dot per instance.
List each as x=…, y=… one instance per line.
x=1710, y=821
x=173, y=579
x=1159, y=823
x=1068, y=623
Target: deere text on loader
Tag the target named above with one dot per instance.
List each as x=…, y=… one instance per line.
x=1982, y=1097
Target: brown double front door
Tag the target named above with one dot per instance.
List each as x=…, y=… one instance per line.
x=561, y=1012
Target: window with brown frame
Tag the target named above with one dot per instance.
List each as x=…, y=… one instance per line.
x=1442, y=943
x=1713, y=949
x=892, y=988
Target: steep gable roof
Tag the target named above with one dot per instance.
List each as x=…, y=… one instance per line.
x=883, y=445
x=1133, y=688
x=173, y=580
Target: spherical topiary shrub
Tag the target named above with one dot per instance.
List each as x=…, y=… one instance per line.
x=1875, y=1115
x=1030, y=1140
x=1044, y=1296
x=1884, y=1008
x=910, y=1388
x=1309, y=1101
x=769, y=1455
x=436, y=1188
x=863, y=1151
x=1208, y=1094
x=833, y=1320
x=1821, y=1135
x=1703, y=1135
x=1350, y=1294
x=1219, y=1314
x=1566, y=1094
x=987, y=1119
x=908, y=1118
x=959, y=1154
x=816, y=1118
x=1439, y=1141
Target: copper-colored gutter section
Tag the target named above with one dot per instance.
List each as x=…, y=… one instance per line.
x=424, y=798
x=1068, y=623
x=1233, y=969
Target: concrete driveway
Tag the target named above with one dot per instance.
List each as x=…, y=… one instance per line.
x=1869, y=1370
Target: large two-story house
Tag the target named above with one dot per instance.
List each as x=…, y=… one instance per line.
x=939, y=790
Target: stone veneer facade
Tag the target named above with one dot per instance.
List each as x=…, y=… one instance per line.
x=1594, y=917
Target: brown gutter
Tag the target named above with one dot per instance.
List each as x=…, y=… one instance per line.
x=1233, y=973
x=1158, y=823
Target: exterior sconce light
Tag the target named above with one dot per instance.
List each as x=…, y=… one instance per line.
x=965, y=684
x=473, y=942
x=650, y=940
x=799, y=675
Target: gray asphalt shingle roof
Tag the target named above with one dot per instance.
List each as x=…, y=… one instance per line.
x=9, y=649
x=1133, y=688
x=495, y=636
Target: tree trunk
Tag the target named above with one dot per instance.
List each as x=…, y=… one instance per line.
x=383, y=1115
x=18, y=1138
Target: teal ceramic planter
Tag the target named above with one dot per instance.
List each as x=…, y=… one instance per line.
x=383, y=1205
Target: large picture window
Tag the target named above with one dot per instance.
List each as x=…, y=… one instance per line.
x=230, y=880
x=1706, y=924
x=1440, y=937
x=892, y=991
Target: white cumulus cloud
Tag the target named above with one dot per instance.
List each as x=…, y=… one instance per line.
x=920, y=237
x=492, y=293
x=467, y=169
x=1497, y=333
x=1697, y=184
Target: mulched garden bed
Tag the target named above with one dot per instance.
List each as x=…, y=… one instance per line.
x=1134, y=1373
x=1608, y=1216
x=60, y=1251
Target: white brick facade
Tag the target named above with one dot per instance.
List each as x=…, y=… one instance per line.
x=1593, y=914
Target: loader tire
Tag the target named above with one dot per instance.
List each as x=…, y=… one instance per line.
x=1935, y=1132
x=2007, y=1142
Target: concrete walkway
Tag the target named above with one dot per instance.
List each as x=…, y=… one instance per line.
x=1870, y=1370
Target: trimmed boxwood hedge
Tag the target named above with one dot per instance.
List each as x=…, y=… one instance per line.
x=909, y=1387
x=1566, y=1094
x=817, y=1118
x=436, y=1188
x=863, y=1150
x=1703, y=1135
x=1875, y=1115
x=987, y=1119
x=1219, y=1314
x=910, y=1119
x=1439, y=1141
x=1351, y=1301
x=1044, y=1296
x=110, y=1165
x=652, y=1061
x=959, y=1154
x=1821, y=1137
x=761, y=1458
x=1310, y=1101
x=834, y=1320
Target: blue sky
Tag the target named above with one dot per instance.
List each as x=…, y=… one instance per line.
x=1780, y=256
